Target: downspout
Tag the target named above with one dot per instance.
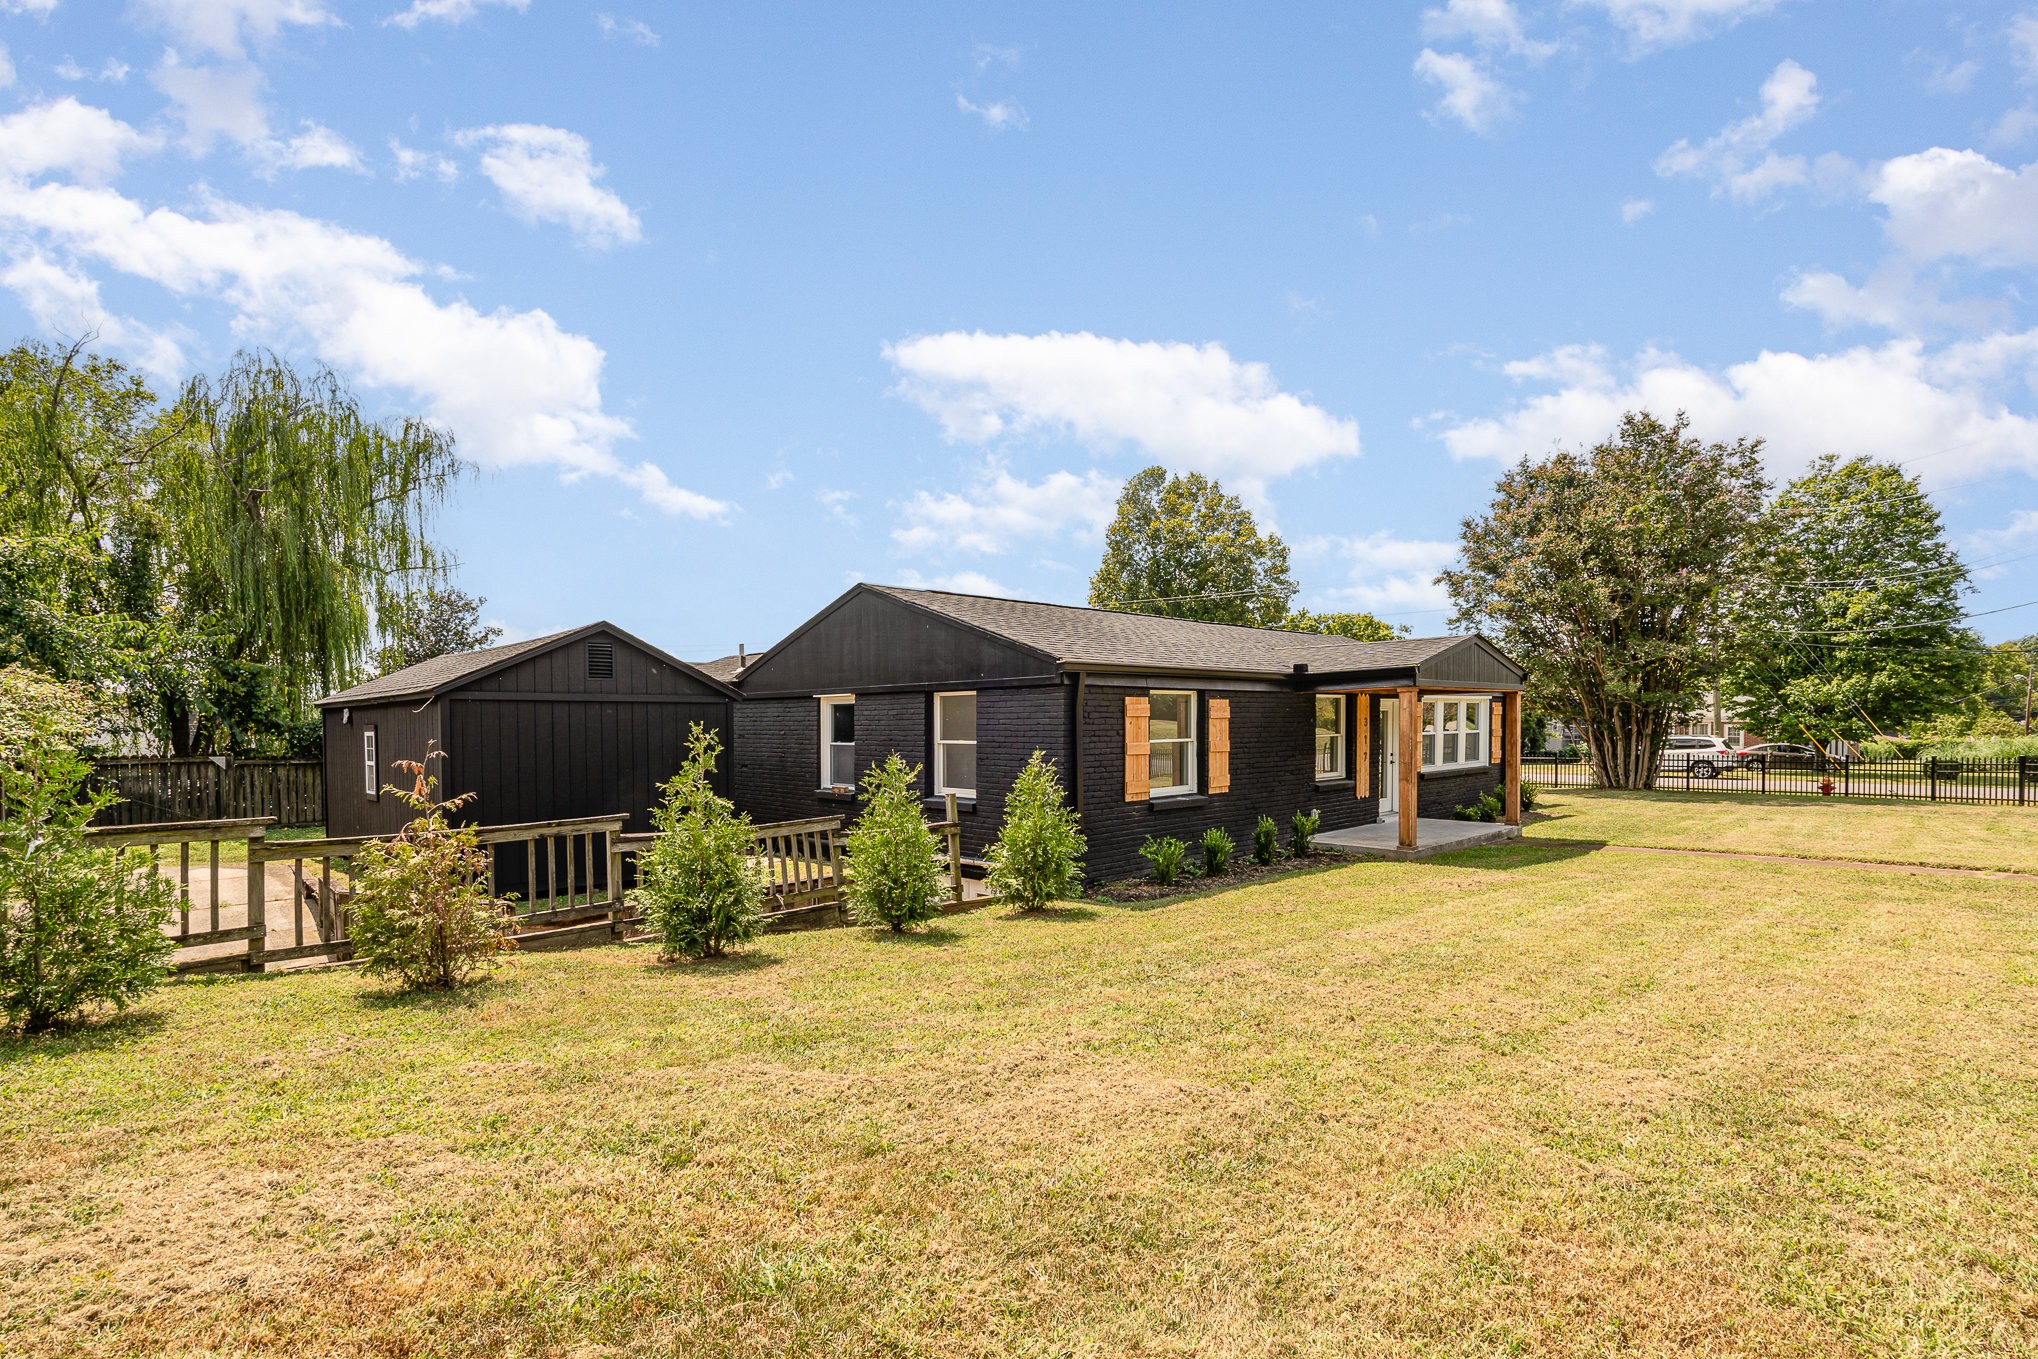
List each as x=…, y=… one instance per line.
x=1076, y=743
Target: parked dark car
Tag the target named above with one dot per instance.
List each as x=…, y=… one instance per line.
x=1782, y=755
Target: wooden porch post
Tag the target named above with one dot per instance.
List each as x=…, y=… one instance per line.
x=1510, y=732
x=1411, y=762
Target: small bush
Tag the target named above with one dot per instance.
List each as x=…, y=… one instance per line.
x=422, y=909
x=1487, y=808
x=1038, y=855
x=1266, y=840
x=697, y=884
x=1529, y=794
x=895, y=864
x=1165, y=854
x=79, y=925
x=1302, y=828
x=1217, y=848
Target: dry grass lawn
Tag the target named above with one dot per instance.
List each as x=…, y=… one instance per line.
x=1526, y=1100
x=1942, y=834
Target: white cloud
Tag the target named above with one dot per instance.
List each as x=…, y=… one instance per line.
x=1940, y=75
x=1899, y=400
x=516, y=388
x=1007, y=55
x=1960, y=204
x=412, y=163
x=1490, y=23
x=40, y=9
x=1891, y=299
x=112, y=71
x=1635, y=209
x=1739, y=161
x=214, y=102
x=1655, y=24
x=1387, y=574
x=1471, y=93
x=317, y=147
x=1004, y=115
x=631, y=30
x=2024, y=43
x=65, y=302
x=448, y=11
x=960, y=583
x=1001, y=510
x=547, y=174
x=1188, y=406
x=70, y=138
x=6, y=68
x=225, y=27
x=2015, y=127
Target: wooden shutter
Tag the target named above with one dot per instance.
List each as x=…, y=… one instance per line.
x=1220, y=745
x=1496, y=731
x=1362, y=744
x=1138, y=747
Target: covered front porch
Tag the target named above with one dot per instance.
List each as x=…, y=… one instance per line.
x=1451, y=715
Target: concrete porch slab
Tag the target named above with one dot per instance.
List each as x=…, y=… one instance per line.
x=1432, y=836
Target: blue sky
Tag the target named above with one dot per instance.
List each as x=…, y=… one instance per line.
x=731, y=306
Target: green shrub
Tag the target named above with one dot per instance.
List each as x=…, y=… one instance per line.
x=1488, y=808
x=422, y=910
x=895, y=863
x=1217, y=848
x=1266, y=840
x=1529, y=794
x=1302, y=828
x=79, y=925
x=1165, y=854
x=698, y=884
x=1038, y=855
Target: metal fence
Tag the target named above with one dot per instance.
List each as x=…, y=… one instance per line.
x=290, y=792
x=2011, y=782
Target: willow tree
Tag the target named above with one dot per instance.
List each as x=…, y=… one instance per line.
x=1603, y=572
x=1852, y=624
x=290, y=520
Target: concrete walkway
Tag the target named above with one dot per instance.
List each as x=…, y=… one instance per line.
x=1382, y=839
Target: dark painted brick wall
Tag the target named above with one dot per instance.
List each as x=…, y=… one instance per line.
x=778, y=760
x=1273, y=770
x=1443, y=794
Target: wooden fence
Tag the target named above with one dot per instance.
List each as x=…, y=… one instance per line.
x=246, y=902
x=290, y=793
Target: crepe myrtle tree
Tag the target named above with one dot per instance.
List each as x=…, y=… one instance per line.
x=1603, y=574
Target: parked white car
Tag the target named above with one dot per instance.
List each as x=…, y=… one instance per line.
x=1707, y=757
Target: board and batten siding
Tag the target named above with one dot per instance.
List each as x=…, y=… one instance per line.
x=402, y=732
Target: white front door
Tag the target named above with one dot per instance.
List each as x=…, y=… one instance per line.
x=1390, y=772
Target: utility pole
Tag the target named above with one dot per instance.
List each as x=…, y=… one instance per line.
x=2027, y=703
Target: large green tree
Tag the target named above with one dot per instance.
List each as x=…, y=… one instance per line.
x=1850, y=624
x=1360, y=627
x=436, y=621
x=215, y=562
x=1183, y=548
x=1602, y=573
x=2012, y=679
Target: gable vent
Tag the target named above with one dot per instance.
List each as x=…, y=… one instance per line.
x=601, y=660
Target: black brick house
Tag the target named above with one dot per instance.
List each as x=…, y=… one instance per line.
x=1158, y=725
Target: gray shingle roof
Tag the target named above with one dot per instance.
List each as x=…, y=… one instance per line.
x=723, y=668
x=1075, y=635
x=427, y=677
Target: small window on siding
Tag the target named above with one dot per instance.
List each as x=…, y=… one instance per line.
x=955, y=744
x=1330, y=736
x=369, y=766
x=838, y=741
x=601, y=660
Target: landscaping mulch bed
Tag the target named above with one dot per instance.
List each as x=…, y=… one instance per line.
x=1146, y=889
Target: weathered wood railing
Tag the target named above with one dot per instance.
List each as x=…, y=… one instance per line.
x=225, y=916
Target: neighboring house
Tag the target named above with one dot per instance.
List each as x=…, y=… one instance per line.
x=576, y=724
x=1160, y=726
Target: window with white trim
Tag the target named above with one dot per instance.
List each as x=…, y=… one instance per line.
x=1454, y=732
x=838, y=741
x=955, y=744
x=370, y=767
x=1171, y=737
x=1330, y=736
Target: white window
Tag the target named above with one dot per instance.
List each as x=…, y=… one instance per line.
x=838, y=741
x=1330, y=736
x=955, y=744
x=368, y=761
x=1454, y=732
x=1171, y=733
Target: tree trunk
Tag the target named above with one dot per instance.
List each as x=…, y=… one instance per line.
x=1624, y=743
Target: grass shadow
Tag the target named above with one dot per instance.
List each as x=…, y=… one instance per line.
x=1194, y=889
x=934, y=936
x=1066, y=913
x=1513, y=854
x=468, y=997
x=99, y=1033
x=728, y=965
